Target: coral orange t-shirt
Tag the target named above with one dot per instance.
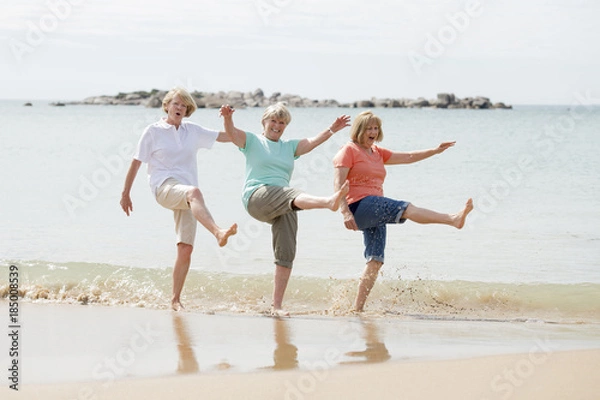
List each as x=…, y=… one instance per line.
x=367, y=171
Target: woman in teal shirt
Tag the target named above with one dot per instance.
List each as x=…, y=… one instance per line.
x=267, y=195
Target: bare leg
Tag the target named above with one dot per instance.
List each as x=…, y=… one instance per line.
x=308, y=202
x=425, y=216
x=282, y=276
x=366, y=283
x=182, y=266
x=201, y=213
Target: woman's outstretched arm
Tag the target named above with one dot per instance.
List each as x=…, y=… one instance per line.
x=308, y=144
x=417, y=155
x=237, y=136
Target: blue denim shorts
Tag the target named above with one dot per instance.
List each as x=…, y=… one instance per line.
x=371, y=214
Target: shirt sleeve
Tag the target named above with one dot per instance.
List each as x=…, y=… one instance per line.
x=344, y=158
x=250, y=138
x=294, y=145
x=206, y=137
x=385, y=153
x=144, y=147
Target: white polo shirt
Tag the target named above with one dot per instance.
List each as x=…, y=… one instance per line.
x=171, y=152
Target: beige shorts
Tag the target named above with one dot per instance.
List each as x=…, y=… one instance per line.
x=173, y=195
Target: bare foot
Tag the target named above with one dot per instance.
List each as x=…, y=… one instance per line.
x=279, y=313
x=177, y=306
x=337, y=197
x=459, y=219
x=223, y=235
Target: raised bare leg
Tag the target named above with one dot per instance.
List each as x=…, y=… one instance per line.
x=201, y=213
x=308, y=202
x=366, y=283
x=182, y=266
x=425, y=216
x=282, y=276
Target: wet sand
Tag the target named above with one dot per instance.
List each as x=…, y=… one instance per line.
x=99, y=352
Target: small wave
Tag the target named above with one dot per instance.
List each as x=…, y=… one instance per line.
x=209, y=292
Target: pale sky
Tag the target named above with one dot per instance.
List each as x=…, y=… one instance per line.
x=515, y=51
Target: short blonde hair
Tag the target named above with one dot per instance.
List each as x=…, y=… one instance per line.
x=360, y=124
x=277, y=110
x=185, y=97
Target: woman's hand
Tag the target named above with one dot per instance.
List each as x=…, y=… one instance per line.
x=340, y=123
x=349, y=221
x=226, y=111
x=444, y=146
x=126, y=203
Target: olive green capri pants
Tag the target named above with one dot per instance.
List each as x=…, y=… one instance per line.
x=274, y=205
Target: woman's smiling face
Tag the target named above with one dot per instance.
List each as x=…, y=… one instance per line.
x=274, y=128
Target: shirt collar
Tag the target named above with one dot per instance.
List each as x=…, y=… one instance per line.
x=164, y=124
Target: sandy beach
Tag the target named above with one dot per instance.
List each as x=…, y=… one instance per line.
x=567, y=375
x=98, y=352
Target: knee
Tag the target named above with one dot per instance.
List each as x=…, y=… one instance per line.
x=410, y=211
x=374, y=265
x=194, y=194
x=184, y=250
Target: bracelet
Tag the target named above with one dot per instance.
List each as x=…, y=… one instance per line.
x=332, y=132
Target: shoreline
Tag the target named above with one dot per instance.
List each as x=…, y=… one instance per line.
x=247, y=294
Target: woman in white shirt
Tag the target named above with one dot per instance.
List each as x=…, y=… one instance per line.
x=169, y=147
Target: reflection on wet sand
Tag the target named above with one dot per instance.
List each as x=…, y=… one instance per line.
x=375, y=352
x=285, y=355
x=187, y=359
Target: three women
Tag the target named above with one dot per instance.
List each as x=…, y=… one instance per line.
x=169, y=148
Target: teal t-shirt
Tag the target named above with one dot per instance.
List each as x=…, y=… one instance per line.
x=267, y=163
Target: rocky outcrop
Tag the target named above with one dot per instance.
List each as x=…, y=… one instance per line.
x=149, y=99
x=258, y=98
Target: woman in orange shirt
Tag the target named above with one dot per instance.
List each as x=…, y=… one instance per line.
x=362, y=163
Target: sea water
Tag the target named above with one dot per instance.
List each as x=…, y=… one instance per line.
x=530, y=249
